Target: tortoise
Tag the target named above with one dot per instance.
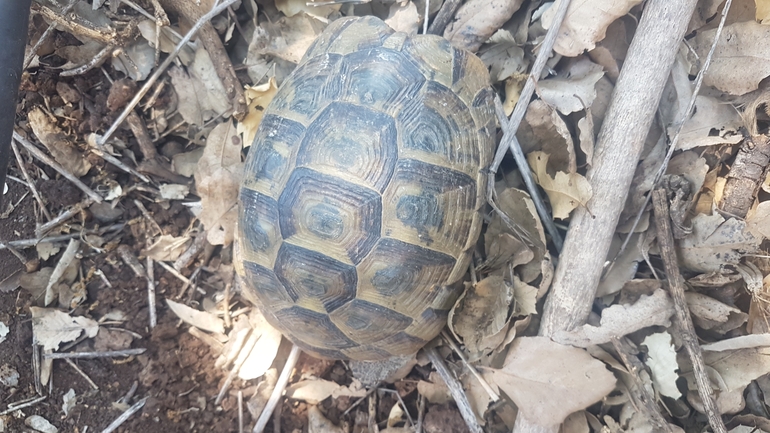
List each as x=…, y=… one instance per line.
x=363, y=192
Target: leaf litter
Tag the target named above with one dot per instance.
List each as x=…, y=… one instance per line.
x=181, y=233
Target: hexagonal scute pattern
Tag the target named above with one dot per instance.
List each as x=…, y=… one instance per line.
x=324, y=213
x=361, y=198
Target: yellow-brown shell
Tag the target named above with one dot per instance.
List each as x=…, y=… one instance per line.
x=361, y=202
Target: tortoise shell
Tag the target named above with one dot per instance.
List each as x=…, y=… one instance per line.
x=360, y=206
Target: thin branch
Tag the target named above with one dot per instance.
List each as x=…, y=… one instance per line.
x=280, y=386
x=683, y=319
x=160, y=70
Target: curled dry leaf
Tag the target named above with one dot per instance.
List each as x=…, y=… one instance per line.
x=549, y=381
x=217, y=180
x=661, y=358
x=565, y=191
x=477, y=20
x=620, y=320
x=58, y=143
x=480, y=313
x=715, y=242
x=741, y=59
x=544, y=129
x=585, y=23
x=519, y=208
x=257, y=99
x=197, y=318
x=52, y=327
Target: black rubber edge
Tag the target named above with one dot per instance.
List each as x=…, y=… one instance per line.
x=14, y=18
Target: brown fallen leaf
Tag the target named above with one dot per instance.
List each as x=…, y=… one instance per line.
x=573, y=91
x=585, y=23
x=257, y=99
x=565, y=191
x=741, y=59
x=548, y=381
x=294, y=7
x=217, y=180
x=482, y=311
x=404, y=18
x=57, y=142
x=715, y=242
x=477, y=20
x=52, y=327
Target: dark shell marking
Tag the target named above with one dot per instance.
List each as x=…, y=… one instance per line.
x=360, y=204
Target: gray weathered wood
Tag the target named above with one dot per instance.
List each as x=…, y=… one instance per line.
x=626, y=124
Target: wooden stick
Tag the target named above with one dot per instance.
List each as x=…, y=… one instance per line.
x=280, y=386
x=628, y=119
x=455, y=389
x=676, y=287
x=37, y=153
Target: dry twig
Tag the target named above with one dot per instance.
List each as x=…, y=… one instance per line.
x=683, y=319
x=280, y=386
x=455, y=389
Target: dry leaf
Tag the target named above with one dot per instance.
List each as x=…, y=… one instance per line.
x=257, y=98
x=763, y=11
x=565, y=191
x=69, y=402
x=574, y=90
x=714, y=243
x=585, y=23
x=482, y=312
x=317, y=422
x=741, y=59
x=200, y=89
x=262, y=355
x=525, y=298
x=311, y=391
x=404, y=18
x=545, y=130
x=52, y=327
x=40, y=424
x=734, y=369
x=661, y=358
x=170, y=191
x=711, y=115
x=624, y=266
x=519, y=208
x=736, y=343
x=58, y=143
x=435, y=391
x=758, y=220
x=294, y=7
x=290, y=37
x=505, y=59
x=217, y=180
x=620, y=320
x=197, y=318
x=167, y=248
x=548, y=381
x=477, y=20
